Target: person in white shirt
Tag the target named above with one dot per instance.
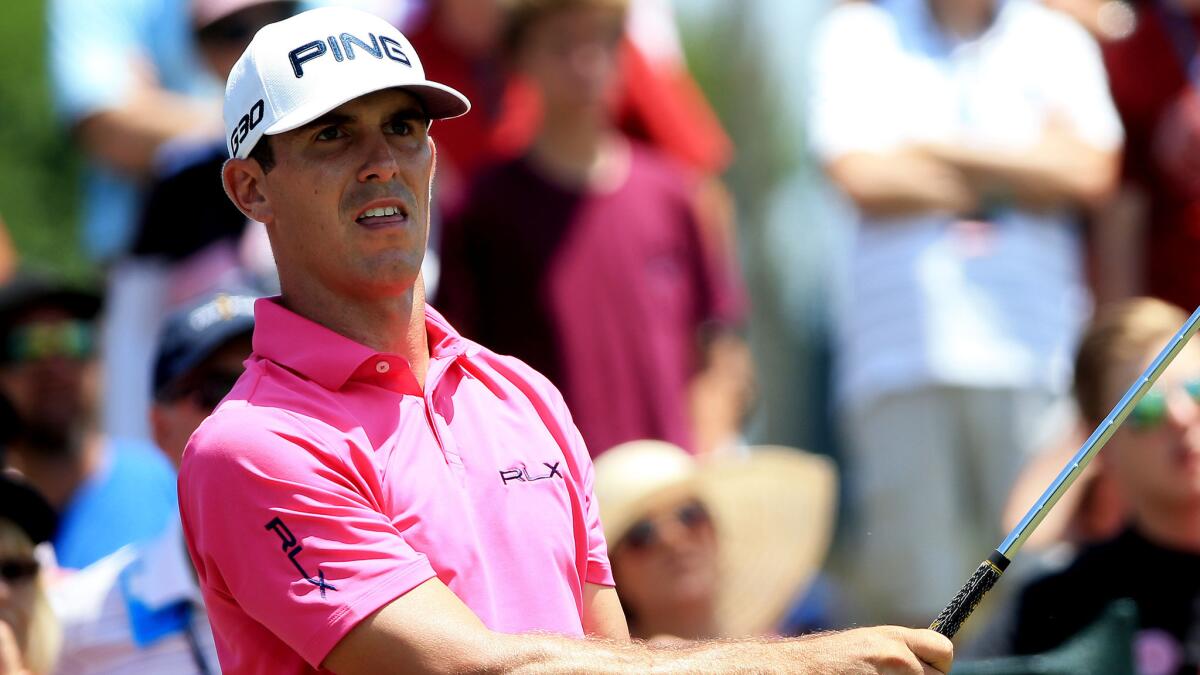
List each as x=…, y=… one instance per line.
x=969, y=134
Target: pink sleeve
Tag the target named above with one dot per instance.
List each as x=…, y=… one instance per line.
x=283, y=524
x=599, y=569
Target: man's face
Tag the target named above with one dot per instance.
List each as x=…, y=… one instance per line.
x=1156, y=454
x=573, y=57
x=176, y=419
x=45, y=373
x=347, y=203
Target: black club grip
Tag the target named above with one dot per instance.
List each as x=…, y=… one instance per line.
x=986, y=575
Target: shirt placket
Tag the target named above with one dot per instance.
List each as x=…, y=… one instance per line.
x=437, y=422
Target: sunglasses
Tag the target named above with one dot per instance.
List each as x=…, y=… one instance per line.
x=18, y=570
x=645, y=534
x=1151, y=411
x=70, y=339
x=206, y=389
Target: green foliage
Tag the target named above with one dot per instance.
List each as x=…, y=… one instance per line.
x=39, y=168
x=738, y=82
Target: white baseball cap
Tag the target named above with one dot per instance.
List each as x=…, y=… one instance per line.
x=300, y=68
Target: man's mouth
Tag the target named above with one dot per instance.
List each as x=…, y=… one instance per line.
x=382, y=216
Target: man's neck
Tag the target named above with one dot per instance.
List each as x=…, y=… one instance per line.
x=580, y=151
x=392, y=324
x=1174, y=528
x=57, y=475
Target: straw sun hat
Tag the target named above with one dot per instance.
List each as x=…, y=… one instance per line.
x=773, y=510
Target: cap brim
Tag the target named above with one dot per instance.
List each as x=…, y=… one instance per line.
x=440, y=102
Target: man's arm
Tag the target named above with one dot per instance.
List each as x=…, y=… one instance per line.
x=901, y=183
x=128, y=135
x=1062, y=170
x=602, y=613
x=429, y=630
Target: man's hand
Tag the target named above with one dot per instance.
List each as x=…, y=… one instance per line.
x=884, y=649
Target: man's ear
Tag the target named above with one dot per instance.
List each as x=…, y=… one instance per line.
x=244, y=182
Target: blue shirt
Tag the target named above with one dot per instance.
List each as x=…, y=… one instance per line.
x=131, y=498
x=96, y=51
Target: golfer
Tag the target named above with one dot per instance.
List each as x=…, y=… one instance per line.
x=377, y=493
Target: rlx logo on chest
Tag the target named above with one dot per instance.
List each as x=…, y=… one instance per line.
x=522, y=474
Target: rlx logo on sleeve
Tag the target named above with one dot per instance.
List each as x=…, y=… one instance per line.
x=344, y=47
x=292, y=547
x=521, y=474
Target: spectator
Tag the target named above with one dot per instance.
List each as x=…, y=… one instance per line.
x=605, y=283
x=656, y=101
x=139, y=609
x=125, y=81
x=716, y=548
x=29, y=635
x=1151, y=49
x=967, y=133
x=1155, y=457
x=108, y=491
x=201, y=247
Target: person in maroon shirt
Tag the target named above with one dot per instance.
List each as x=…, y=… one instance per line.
x=1148, y=240
x=584, y=257
x=654, y=102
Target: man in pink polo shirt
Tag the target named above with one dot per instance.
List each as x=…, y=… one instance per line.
x=378, y=494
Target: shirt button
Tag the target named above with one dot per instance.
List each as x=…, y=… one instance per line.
x=382, y=367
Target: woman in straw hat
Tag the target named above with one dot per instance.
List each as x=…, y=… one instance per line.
x=712, y=548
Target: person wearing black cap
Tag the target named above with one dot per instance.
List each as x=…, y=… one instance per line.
x=29, y=634
x=108, y=492
x=140, y=609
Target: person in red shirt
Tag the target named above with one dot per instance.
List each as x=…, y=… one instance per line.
x=585, y=257
x=1147, y=241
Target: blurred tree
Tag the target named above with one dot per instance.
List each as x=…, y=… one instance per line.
x=751, y=60
x=39, y=169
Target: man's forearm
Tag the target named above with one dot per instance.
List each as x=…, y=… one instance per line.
x=128, y=137
x=901, y=183
x=1067, y=174
x=886, y=649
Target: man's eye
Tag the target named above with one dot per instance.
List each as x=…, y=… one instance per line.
x=329, y=134
x=407, y=126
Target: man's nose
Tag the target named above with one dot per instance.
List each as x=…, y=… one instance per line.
x=379, y=163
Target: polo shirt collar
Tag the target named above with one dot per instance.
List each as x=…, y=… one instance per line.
x=329, y=358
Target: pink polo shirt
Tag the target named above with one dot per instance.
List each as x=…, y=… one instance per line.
x=327, y=484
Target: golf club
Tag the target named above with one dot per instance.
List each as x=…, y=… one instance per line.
x=952, y=617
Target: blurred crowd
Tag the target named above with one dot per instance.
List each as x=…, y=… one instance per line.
x=1015, y=188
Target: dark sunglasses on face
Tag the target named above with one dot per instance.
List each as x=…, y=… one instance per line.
x=18, y=570
x=71, y=339
x=1151, y=411
x=644, y=534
